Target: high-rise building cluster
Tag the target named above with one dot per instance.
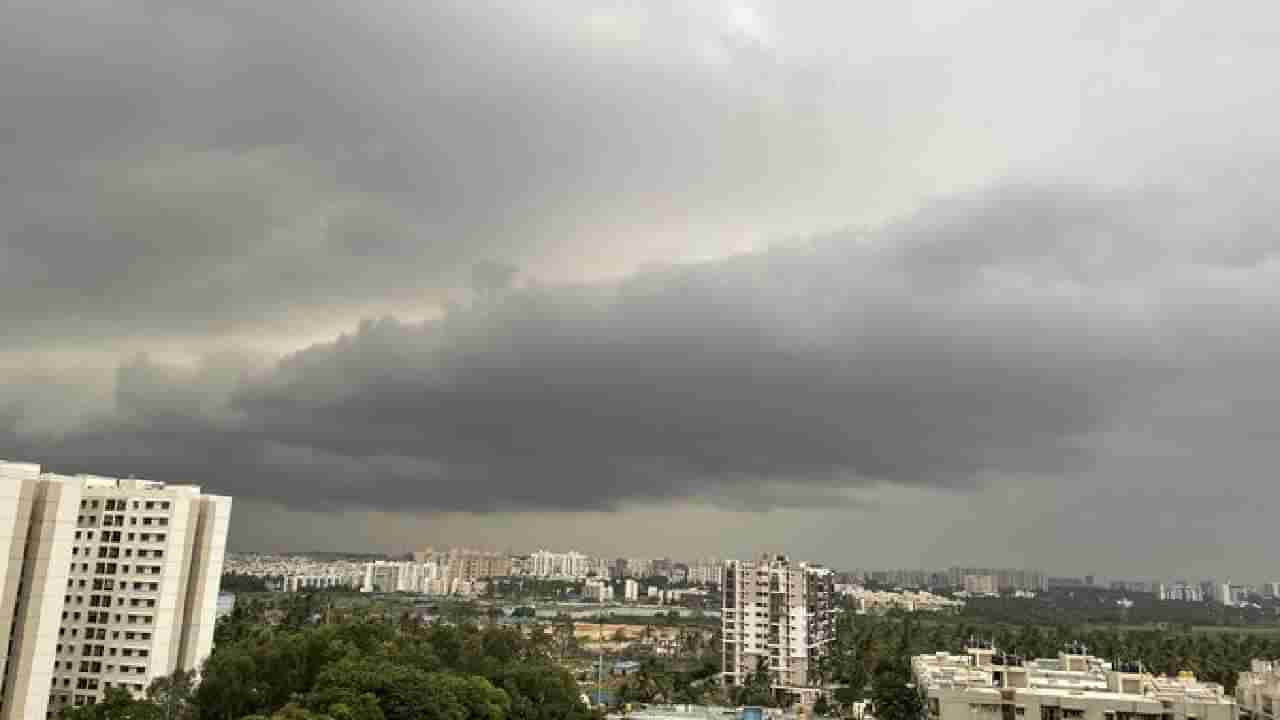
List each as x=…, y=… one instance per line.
x=110, y=583
x=778, y=619
x=461, y=570
x=985, y=579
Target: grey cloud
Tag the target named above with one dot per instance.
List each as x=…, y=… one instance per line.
x=980, y=337
x=192, y=171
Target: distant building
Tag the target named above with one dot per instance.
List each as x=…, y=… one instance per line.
x=980, y=584
x=780, y=615
x=598, y=590
x=547, y=564
x=1065, y=582
x=470, y=565
x=630, y=590
x=1180, y=592
x=386, y=576
x=226, y=605
x=985, y=684
x=876, y=602
x=312, y=583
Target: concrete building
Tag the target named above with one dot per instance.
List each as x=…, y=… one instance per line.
x=878, y=602
x=1180, y=591
x=980, y=584
x=985, y=684
x=780, y=615
x=385, y=576
x=547, y=564
x=312, y=583
x=226, y=605
x=630, y=590
x=598, y=590
x=1258, y=691
x=470, y=565
x=110, y=583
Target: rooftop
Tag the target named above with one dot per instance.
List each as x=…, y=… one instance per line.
x=1071, y=673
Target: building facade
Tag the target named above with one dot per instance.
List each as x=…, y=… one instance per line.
x=1258, y=691
x=780, y=616
x=984, y=684
x=110, y=583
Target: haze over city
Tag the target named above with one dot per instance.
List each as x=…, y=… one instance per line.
x=915, y=284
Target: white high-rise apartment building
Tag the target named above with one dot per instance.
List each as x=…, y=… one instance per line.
x=780, y=615
x=103, y=583
x=547, y=564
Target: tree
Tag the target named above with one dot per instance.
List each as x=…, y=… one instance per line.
x=172, y=694
x=117, y=704
x=894, y=695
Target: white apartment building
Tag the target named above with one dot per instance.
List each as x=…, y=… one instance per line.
x=547, y=564
x=1258, y=691
x=780, y=615
x=630, y=590
x=109, y=583
x=878, y=601
x=311, y=583
x=386, y=576
x=984, y=684
x=981, y=584
x=599, y=590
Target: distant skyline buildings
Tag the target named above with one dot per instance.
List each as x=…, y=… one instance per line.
x=576, y=563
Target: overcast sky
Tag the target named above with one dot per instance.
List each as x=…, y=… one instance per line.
x=879, y=284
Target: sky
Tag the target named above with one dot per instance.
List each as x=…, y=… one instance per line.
x=910, y=284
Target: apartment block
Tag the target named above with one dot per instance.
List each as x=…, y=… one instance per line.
x=109, y=583
x=777, y=615
x=985, y=684
x=1258, y=691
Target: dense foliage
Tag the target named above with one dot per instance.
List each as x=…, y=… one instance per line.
x=1101, y=606
x=237, y=583
x=288, y=664
x=375, y=670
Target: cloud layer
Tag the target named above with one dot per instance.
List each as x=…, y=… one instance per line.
x=584, y=259
x=1007, y=332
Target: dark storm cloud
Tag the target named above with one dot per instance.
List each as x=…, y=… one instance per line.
x=998, y=333
x=187, y=170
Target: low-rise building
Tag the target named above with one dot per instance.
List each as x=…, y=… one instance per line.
x=984, y=684
x=1258, y=691
x=874, y=602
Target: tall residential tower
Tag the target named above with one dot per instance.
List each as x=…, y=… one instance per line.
x=778, y=617
x=107, y=583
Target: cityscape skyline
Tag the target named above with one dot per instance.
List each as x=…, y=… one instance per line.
x=951, y=280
